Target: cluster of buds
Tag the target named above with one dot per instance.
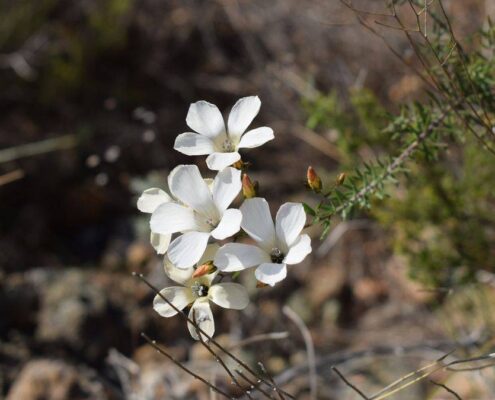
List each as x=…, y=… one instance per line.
x=313, y=181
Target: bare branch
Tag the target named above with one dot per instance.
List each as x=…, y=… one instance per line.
x=254, y=385
x=184, y=368
x=260, y=338
x=271, y=380
x=218, y=359
x=447, y=389
x=341, y=376
x=36, y=148
x=11, y=176
x=310, y=349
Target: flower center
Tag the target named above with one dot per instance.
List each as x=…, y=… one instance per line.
x=228, y=146
x=199, y=289
x=277, y=256
x=211, y=222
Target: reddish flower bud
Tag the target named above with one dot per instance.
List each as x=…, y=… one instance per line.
x=248, y=188
x=313, y=180
x=204, y=269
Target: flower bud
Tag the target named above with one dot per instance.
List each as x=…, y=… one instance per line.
x=313, y=180
x=341, y=178
x=248, y=188
x=204, y=269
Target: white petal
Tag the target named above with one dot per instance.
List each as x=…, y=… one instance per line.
x=209, y=183
x=193, y=144
x=242, y=114
x=151, y=199
x=160, y=242
x=226, y=187
x=188, y=186
x=229, y=295
x=172, y=217
x=257, y=222
x=299, y=250
x=218, y=161
x=229, y=224
x=209, y=254
x=238, y=256
x=179, y=296
x=201, y=313
x=256, y=137
x=178, y=275
x=270, y=273
x=289, y=223
x=187, y=249
x=205, y=118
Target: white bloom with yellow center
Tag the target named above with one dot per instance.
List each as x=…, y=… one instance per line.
x=276, y=246
x=197, y=293
x=211, y=137
x=203, y=212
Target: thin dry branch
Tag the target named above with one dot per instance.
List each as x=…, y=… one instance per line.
x=254, y=385
x=11, y=176
x=218, y=359
x=359, y=16
x=324, y=362
x=280, y=395
x=450, y=94
x=409, y=379
x=446, y=388
x=353, y=387
x=260, y=338
x=36, y=148
x=310, y=349
x=184, y=368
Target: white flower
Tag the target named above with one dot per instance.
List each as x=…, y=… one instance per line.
x=211, y=137
x=203, y=212
x=276, y=247
x=148, y=202
x=197, y=292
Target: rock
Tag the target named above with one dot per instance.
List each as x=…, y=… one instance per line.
x=85, y=311
x=55, y=380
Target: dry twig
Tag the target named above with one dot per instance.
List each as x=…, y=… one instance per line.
x=310, y=349
x=36, y=148
x=11, y=176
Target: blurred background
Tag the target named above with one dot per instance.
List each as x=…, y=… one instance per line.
x=93, y=94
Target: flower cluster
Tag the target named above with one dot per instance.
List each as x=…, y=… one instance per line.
x=187, y=222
